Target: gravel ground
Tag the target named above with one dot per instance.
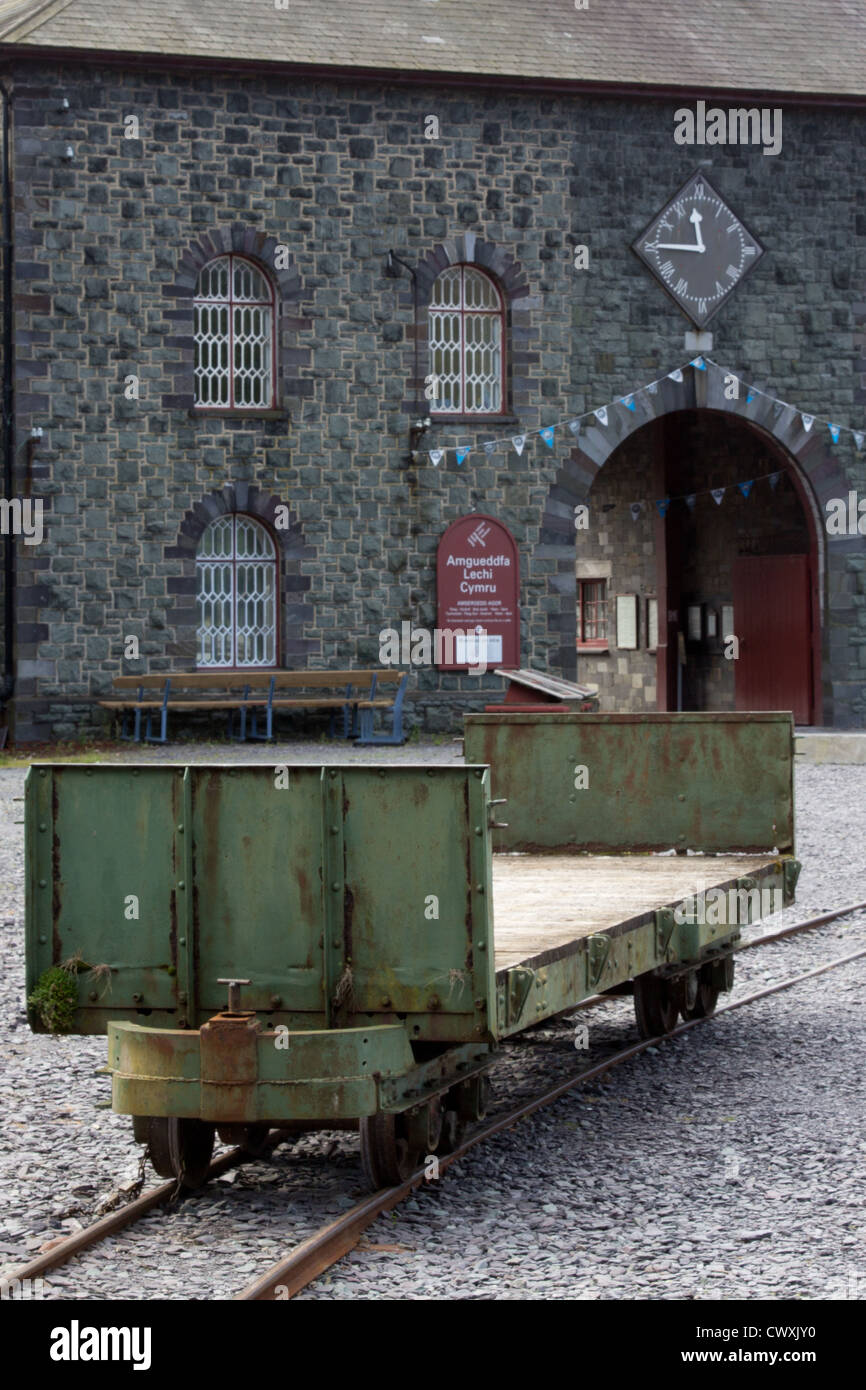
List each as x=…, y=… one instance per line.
x=724, y=1164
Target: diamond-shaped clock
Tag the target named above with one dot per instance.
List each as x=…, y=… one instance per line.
x=698, y=249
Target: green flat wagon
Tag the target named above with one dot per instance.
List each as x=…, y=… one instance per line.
x=314, y=947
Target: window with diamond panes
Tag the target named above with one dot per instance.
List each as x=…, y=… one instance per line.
x=234, y=336
x=236, y=568
x=465, y=338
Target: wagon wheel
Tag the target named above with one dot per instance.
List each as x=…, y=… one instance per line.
x=709, y=984
x=392, y=1145
x=656, y=1005
x=254, y=1139
x=465, y=1104
x=180, y=1148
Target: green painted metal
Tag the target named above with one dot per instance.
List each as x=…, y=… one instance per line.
x=358, y=903
x=604, y=783
x=349, y=894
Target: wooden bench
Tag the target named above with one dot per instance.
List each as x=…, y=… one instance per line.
x=352, y=694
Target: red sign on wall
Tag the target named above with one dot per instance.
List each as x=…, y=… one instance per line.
x=478, y=589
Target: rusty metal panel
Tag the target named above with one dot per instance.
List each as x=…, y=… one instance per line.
x=101, y=885
x=339, y=893
x=413, y=899
x=257, y=875
x=604, y=783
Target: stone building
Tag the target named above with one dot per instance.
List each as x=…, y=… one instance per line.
x=267, y=259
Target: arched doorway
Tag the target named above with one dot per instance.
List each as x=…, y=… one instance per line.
x=661, y=591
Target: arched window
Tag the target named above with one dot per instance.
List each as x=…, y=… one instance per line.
x=466, y=334
x=234, y=336
x=236, y=570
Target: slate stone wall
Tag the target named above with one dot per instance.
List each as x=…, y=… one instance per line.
x=107, y=245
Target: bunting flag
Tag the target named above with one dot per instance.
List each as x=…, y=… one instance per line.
x=774, y=478
x=746, y=488
x=690, y=500
x=630, y=402
x=663, y=503
x=717, y=493
x=636, y=509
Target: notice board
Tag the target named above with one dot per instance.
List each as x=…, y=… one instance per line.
x=478, y=592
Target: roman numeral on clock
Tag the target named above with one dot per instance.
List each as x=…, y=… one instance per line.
x=702, y=306
x=732, y=272
x=720, y=289
x=682, y=286
x=667, y=269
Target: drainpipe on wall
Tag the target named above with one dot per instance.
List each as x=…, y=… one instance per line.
x=8, y=411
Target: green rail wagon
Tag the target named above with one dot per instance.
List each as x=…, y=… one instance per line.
x=315, y=947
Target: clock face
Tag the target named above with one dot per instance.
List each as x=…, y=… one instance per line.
x=698, y=249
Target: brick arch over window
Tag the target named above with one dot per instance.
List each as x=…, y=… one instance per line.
x=257, y=247
x=509, y=277
x=814, y=468
x=294, y=613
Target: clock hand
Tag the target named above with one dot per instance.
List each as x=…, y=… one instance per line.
x=677, y=246
x=697, y=219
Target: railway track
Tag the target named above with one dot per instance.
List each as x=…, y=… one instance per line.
x=318, y=1252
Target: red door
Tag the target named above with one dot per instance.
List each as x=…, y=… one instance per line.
x=772, y=621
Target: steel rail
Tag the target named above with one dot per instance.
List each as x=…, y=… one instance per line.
x=315, y=1254
x=322, y=1250
x=128, y=1214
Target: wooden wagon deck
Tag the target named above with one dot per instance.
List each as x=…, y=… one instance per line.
x=544, y=902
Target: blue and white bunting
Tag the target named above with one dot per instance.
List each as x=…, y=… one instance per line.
x=663, y=503
x=631, y=402
x=636, y=508
x=690, y=500
x=717, y=493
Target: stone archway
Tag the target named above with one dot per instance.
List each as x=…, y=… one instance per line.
x=815, y=472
